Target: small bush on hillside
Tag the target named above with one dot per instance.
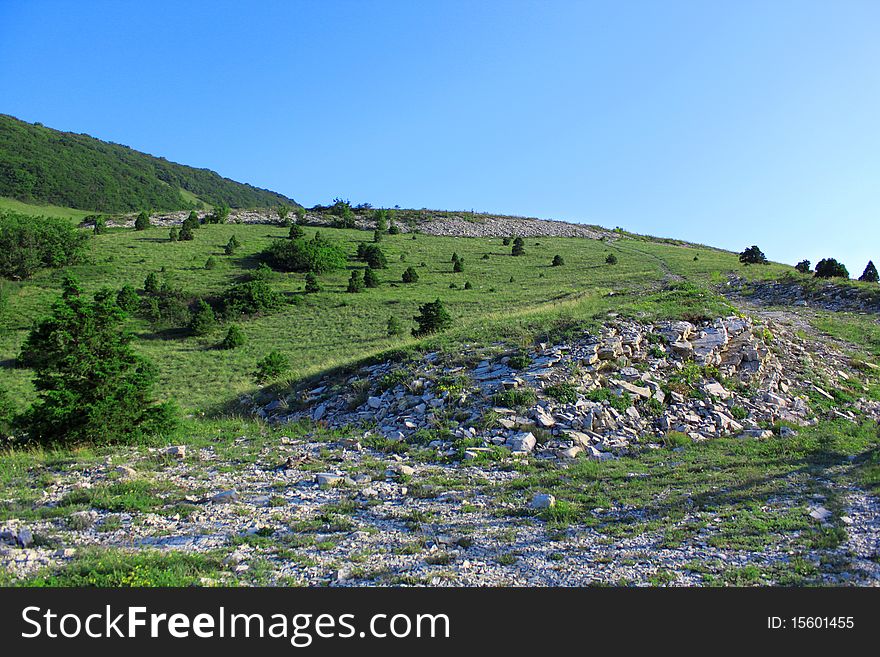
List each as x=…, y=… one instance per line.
x=870, y=274
x=234, y=338
x=432, y=318
x=374, y=257
x=355, y=282
x=381, y=219
x=377, y=236
x=370, y=278
x=753, y=256
x=250, y=298
x=611, y=259
x=186, y=234
x=99, y=222
x=274, y=365
x=619, y=402
x=211, y=263
x=410, y=276
x=454, y=257
x=203, y=319
x=458, y=266
x=92, y=387
x=343, y=217
x=393, y=229
x=803, y=266
x=231, y=246
x=468, y=286
x=312, y=285
x=558, y=261
x=296, y=232
x=506, y=241
x=128, y=299
x=316, y=255
x=143, y=221
x=830, y=268
x=192, y=221
x=393, y=326
x=219, y=215
x=30, y=243
x=301, y=216
x=283, y=213
x=173, y=235
x=519, y=247
x=152, y=284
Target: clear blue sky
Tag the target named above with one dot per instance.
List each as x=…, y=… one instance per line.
x=728, y=123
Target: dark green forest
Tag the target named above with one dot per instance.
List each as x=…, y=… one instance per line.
x=45, y=166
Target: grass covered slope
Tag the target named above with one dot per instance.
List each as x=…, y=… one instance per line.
x=45, y=166
x=512, y=299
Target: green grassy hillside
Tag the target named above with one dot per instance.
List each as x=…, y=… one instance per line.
x=514, y=300
x=44, y=166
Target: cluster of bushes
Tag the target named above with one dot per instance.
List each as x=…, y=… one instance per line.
x=316, y=255
x=372, y=255
x=30, y=243
x=91, y=385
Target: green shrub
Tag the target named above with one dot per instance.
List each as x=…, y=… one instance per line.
x=234, y=338
x=830, y=268
x=870, y=274
x=519, y=361
x=355, y=282
x=505, y=241
x=273, y=366
x=619, y=402
x=250, y=298
x=803, y=266
x=143, y=221
x=173, y=235
x=128, y=299
x=211, y=263
x=519, y=247
x=753, y=256
x=611, y=259
x=410, y=276
x=316, y=255
x=203, y=319
x=515, y=398
x=458, y=266
x=312, y=285
x=192, y=221
x=343, y=217
x=394, y=326
x=92, y=387
x=468, y=286
x=558, y=261
x=283, y=212
x=152, y=284
x=432, y=318
x=393, y=229
x=296, y=232
x=564, y=393
x=186, y=234
x=29, y=243
x=370, y=278
x=377, y=236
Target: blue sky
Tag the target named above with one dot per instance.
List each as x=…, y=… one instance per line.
x=727, y=123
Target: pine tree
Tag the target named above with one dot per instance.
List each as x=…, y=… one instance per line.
x=432, y=318
x=151, y=283
x=203, y=319
x=356, y=282
x=410, y=276
x=870, y=274
x=143, y=221
x=370, y=278
x=753, y=256
x=296, y=232
x=92, y=387
x=519, y=247
x=803, y=266
x=312, y=285
x=393, y=326
x=234, y=338
x=458, y=266
x=186, y=234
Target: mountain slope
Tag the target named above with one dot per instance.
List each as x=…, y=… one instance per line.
x=38, y=164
